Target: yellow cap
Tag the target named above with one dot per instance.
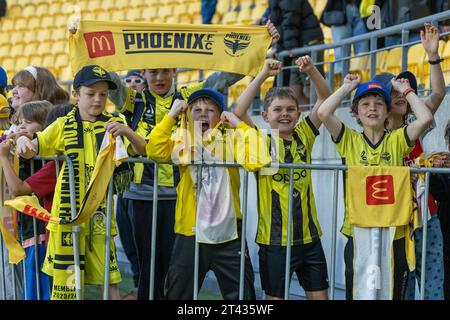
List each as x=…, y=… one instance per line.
x=4, y=104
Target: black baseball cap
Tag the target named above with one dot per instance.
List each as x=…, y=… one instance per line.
x=386, y=77
x=88, y=75
x=136, y=73
x=214, y=95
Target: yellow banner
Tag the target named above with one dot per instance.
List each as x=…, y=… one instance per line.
x=7, y=226
x=127, y=45
x=379, y=196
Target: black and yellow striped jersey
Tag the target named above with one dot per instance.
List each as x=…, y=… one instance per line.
x=273, y=191
x=357, y=150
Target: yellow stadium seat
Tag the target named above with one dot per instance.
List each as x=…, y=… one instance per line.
x=138, y=3
x=133, y=14
x=245, y=16
x=230, y=17
x=95, y=5
x=17, y=37
x=31, y=48
x=172, y=19
x=48, y=62
x=44, y=48
x=65, y=74
x=394, y=61
x=61, y=61
x=44, y=35
x=21, y=62
x=47, y=21
x=30, y=36
x=62, y=20
x=60, y=34
x=180, y=9
x=266, y=86
x=60, y=47
x=5, y=49
x=149, y=13
x=21, y=24
x=56, y=8
x=245, y=4
x=15, y=10
x=197, y=18
x=4, y=39
x=446, y=63
x=194, y=7
x=33, y=23
x=185, y=18
x=258, y=11
x=35, y=61
x=8, y=65
x=183, y=78
x=17, y=49
x=41, y=9
x=381, y=61
x=103, y=15
x=223, y=7
x=416, y=57
x=7, y=24
x=109, y=4
x=28, y=10
x=91, y=16
x=118, y=15
x=359, y=65
x=165, y=11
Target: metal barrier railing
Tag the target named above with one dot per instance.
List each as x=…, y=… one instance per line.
x=332, y=268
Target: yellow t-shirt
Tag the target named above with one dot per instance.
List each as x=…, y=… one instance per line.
x=273, y=192
x=356, y=149
x=157, y=108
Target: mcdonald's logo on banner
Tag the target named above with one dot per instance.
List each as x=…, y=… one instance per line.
x=100, y=44
x=380, y=190
x=388, y=198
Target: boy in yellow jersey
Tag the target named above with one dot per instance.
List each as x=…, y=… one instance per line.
x=216, y=224
x=295, y=142
x=374, y=146
x=79, y=135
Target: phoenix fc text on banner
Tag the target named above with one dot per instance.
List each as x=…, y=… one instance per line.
x=126, y=45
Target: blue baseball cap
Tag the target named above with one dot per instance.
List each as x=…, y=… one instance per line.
x=386, y=77
x=373, y=87
x=3, y=78
x=214, y=95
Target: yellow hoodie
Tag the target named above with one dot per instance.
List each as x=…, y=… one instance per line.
x=161, y=145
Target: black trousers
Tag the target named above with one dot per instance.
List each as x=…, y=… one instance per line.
x=401, y=270
x=223, y=259
x=444, y=219
x=165, y=236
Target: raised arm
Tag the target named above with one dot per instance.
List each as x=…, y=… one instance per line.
x=328, y=107
x=424, y=117
x=430, y=42
x=271, y=68
x=321, y=86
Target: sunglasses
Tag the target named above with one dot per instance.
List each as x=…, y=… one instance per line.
x=137, y=81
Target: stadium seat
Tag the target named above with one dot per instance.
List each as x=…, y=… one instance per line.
x=393, y=62
x=17, y=37
x=15, y=11
x=60, y=47
x=44, y=48
x=56, y=7
x=33, y=23
x=95, y=5
x=48, y=61
x=416, y=57
x=181, y=8
x=266, y=87
x=118, y=15
x=7, y=24
x=62, y=20
x=245, y=4
x=35, y=61
x=194, y=7
x=245, y=16
x=360, y=66
x=258, y=11
x=30, y=36
x=165, y=11
x=109, y=4
x=5, y=50
x=149, y=13
x=222, y=7
x=446, y=63
x=197, y=18
x=133, y=14
x=28, y=10
x=44, y=35
x=60, y=34
x=47, y=21
x=31, y=48
x=20, y=23
x=183, y=78
x=381, y=60
x=185, y=18
x=17, y=49
x=8, y=64
x=41, y=9
x=172, y=19
x=65, y=74
x=21, y=62
x=61, y=61
x=230, y=17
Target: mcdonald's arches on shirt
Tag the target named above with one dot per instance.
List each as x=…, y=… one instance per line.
x=379, y=196
x=127, y=45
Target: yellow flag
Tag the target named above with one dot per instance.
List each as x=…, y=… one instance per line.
x=7, y=226
x=379, y=196
x=124, y=45
x=111, y=154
